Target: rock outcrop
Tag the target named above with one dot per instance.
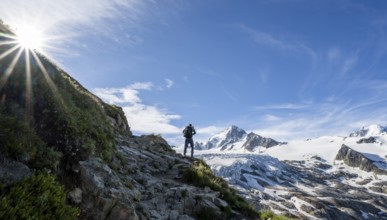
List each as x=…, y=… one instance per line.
x=366, y=140
x=12, y=171
x=356, y=159
x=253, y=140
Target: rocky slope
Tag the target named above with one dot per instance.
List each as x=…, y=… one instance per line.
x=353, y=158
x=55, y=133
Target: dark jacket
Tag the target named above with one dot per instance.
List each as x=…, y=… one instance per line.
x=189, y=131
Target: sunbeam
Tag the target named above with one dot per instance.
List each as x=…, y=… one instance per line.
x=8, y=42
x=11, y=66
x=29, y=42
x=28, y=96
x=49, y=81
x=6, y=53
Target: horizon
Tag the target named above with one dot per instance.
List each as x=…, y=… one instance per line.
x=288, y=70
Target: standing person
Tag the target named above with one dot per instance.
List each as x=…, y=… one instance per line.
x=188, y=132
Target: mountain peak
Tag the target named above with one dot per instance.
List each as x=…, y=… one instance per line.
x=371, y=130
x=234, y=128
x=234, y=138
x=230, y=135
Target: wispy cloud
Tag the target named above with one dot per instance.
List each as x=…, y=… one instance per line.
x=334, y=55
x=142, y=118
x=129, y=94
x=269, y=117
x=230, y=94
x=273, y=41
x=169, y=83
x=348, y=64
x=333, y=117
x=287, y=106
x=63, y=20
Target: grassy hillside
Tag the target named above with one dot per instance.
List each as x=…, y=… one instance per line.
x=53, y=107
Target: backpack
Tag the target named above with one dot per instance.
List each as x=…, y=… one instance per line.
x=188, y=132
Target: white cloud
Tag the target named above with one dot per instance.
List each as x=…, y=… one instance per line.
x=142, y=118
x=123, y=95
x=288, y=106
x=269, y=117
x=169, y=83
x=150, y=119
x=142, y=85
x=210, y=130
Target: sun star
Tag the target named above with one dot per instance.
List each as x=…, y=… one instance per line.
x=29, y=38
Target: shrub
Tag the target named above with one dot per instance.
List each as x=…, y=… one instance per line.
x=20, y=142
x=207, y=214
x=267, y=214
x=37, y=197
x=201, y=175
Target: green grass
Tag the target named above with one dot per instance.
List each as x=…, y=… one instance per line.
x=64, y=115
x=20, y=142
x=201, y=175
x=38, y=197
x=267, y=214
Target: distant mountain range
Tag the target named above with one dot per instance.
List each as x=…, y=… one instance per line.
x=235, y=138
x=331, y=177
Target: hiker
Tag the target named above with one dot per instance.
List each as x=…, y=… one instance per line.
x=188, y=132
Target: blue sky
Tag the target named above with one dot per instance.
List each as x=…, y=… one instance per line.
x=286, y=69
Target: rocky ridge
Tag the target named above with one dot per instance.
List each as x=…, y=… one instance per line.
x=356, y=159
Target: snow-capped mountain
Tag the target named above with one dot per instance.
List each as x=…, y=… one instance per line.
x=331, y=177
x=226, y=138
x=372, y=130
x=236, y=139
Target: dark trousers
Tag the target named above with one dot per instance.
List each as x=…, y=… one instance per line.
x=190, y=142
